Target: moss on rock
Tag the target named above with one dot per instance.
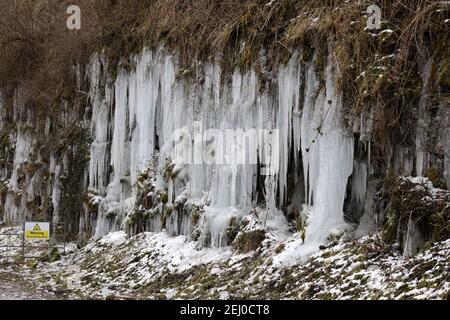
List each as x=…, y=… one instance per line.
x=249, y=241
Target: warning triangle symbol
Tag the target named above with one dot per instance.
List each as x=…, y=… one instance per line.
x=37, y=228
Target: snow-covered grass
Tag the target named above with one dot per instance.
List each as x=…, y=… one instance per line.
x=157, y=266
x=11, y=240
x=153, y=265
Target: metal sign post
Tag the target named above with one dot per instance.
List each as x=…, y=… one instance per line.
x=52, y=233
x=23, y=242
x=37, y=230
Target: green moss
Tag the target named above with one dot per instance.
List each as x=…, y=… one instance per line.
x=75, y=145
x=233, y=229
x=279, y=248
x=168, y=171
x=249, y=241
x=195, y=216
x=168, y=210
x=55, y=255
x=164, y=197
x=32, y=263
x=142, y=177
x=184, y=73
x=444, y=75
x=405, y=200
x=433, y=174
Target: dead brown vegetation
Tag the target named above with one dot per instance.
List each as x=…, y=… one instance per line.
x=428, y=208
x=37, y=50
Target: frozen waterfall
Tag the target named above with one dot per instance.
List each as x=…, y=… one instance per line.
x=155, y=101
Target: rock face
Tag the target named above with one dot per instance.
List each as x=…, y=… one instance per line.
x=160, y=147
x=178, y=147
x=302, y=137
x=415, y=212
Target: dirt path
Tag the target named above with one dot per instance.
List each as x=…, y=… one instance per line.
x=13, y=287
x=14, y=291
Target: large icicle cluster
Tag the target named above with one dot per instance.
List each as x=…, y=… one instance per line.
x=155, y=100
x=29, y=174
x=301, y=166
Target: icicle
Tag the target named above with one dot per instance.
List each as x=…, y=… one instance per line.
x=422, y=122
x=328, y=158
x=152, y=102
x=288, y=100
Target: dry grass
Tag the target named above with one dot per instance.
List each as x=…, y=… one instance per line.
x=405, y=200
x=38, y=51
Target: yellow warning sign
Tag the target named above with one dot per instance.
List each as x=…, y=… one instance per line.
x=37, y=230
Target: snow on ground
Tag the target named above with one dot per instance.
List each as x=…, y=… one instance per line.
x=13, y=286
x=10, y=242
x=156, y=266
